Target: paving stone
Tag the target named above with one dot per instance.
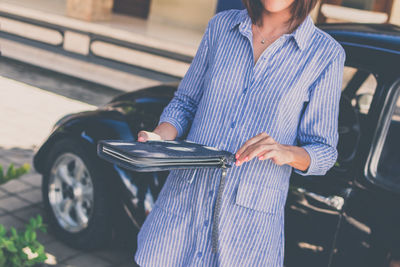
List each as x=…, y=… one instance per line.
x=13, y=203
x=85, y=260
x=2, y=212
x=11, y=221
x=45, y=238
x=3, y=194
x=34, y=196
x=61, y=251
x=33, y=178
x=29, y=212
x=16, y=156
x=15, y=186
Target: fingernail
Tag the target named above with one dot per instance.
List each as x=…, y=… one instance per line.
x=237, y=163
x=237, y=156
x=246, y=158
x=261, y=158
x=140, y=139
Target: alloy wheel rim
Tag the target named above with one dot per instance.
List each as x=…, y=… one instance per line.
x=71, y=192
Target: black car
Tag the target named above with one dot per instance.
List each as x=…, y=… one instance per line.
x=349, y=217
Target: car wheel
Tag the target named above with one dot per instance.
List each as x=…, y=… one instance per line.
x=75, y=196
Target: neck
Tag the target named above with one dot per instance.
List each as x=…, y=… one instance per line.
x=272, y=21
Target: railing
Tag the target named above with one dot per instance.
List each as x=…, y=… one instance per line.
x=59, y=39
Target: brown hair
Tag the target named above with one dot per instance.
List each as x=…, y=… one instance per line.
x=299, y=9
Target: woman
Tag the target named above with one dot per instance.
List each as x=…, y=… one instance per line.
x=264, y=84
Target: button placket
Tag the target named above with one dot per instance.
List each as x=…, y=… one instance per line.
x=232, y=118
x=204, y=221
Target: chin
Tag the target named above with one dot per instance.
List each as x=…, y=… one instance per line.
x=275, y=6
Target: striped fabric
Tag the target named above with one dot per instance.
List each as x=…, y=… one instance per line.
x=292, y=93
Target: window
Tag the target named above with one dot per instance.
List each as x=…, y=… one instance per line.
x=359, y=85
x=358, y=88
x=385, y=164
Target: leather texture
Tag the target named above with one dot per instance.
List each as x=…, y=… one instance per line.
x=162, y=155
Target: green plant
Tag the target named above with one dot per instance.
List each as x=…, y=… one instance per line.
x=20, y=249
x=12, y=172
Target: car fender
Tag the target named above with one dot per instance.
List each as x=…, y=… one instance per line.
x=87, y=128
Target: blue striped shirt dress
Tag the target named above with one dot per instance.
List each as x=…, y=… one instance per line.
x=292, y=93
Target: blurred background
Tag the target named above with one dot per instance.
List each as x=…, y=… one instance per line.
x=65, y=56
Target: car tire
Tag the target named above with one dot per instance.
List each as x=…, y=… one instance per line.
x=95, y=231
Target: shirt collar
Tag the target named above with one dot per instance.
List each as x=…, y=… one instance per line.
x=302, y=34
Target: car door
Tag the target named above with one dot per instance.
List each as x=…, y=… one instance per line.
x=369, y=232
x=314, y=204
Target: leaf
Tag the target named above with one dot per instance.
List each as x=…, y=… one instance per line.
x=14, y=233
x=22, y=170
x=11, y=173
x=2, y=258
x=32, y=222
x=10, y=246
x=16, y=261
x=2, y=230
x=43, y=229
x=32, y=236
x=39, y=220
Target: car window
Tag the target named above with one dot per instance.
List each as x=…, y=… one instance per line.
x=358, y=88
x=359, y=85
x=388, y=167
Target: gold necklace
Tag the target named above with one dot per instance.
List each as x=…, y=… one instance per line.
x=262, y=37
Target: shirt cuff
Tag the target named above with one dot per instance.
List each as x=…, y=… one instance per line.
x=313, y=169
x=174, y=122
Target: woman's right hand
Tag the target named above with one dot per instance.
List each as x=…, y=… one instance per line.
x=164, y=131
x=144, y=136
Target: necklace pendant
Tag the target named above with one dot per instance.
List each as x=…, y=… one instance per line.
x=263, y=41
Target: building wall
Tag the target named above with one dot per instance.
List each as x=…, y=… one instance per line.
x=193, y=14
x=395, y=17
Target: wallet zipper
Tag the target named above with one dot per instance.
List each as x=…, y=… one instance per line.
x=217, y=209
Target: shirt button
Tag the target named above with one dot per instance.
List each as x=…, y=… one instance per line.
x=210, y=193
x=206, y=223
x=233, y=124
x=199, y=254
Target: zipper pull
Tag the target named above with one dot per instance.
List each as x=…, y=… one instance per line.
x=223, y=163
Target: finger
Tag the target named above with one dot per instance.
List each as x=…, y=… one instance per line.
x=268, y=155
x=245, y=156
x=275, y=157
x=142, y=136
x=153, y=136
x=249, y=142
x=251, y=153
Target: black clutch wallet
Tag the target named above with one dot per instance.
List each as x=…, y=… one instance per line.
x=162, y=155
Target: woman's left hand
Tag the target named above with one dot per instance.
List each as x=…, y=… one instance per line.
x=264, y=147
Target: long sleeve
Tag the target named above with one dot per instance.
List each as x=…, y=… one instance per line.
x=318, y=128
x=182, y=108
